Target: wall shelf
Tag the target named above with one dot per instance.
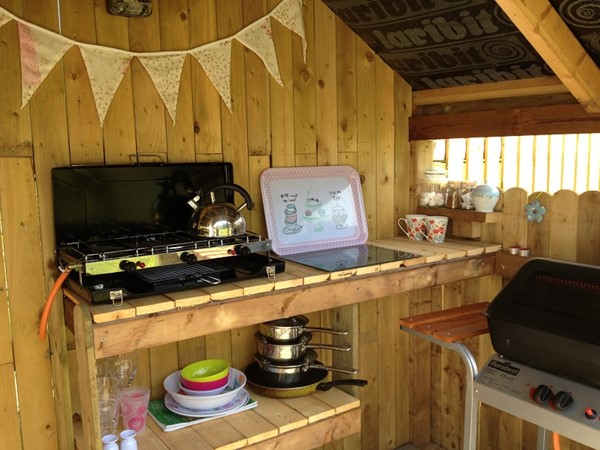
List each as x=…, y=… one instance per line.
x=462, y=215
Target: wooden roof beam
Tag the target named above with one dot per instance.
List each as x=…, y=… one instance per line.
x=541, y=25
x=529, y=87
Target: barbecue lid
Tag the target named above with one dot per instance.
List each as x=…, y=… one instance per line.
x=557, y=297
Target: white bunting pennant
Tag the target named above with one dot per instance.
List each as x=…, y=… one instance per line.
x=165, y=72
x=105, y=70
x=259, y=38
x=289, y=14
x=215, y=59
x=40, y=51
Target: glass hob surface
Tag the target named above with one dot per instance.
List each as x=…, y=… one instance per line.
x=352, y=257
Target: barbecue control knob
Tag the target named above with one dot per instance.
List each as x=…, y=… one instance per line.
x=127, y=266
x=542, y=394
x=562, y=401
x=590, y=413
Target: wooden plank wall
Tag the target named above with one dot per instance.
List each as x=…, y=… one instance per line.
x=337, y=108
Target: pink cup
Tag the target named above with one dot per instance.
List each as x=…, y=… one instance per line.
x=415, y=226
x=134, y=407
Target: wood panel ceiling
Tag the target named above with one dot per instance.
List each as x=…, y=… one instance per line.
x=485, y=52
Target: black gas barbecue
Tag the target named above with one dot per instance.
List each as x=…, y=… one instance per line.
x=545, y=326
x=124, y=231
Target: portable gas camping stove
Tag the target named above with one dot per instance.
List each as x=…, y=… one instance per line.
x=123, y=231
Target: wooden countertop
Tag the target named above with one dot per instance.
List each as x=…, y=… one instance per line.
x=212, y=309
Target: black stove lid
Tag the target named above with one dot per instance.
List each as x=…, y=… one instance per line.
x=93, y=203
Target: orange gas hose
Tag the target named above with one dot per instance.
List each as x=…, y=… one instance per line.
x=556, y=440
x=46, y=312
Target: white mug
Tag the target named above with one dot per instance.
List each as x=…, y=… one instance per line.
x=436, y=227
x=415, y=226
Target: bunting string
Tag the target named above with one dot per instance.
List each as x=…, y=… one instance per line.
x=41, y=49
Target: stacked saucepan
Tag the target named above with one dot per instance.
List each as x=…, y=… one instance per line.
x=286, y=362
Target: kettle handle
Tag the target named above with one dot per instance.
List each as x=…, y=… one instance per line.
x=234, y=187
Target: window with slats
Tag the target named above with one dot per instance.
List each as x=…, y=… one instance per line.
x=546, y=163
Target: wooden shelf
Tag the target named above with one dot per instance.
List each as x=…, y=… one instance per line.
x=462, y=215
x=295, y=423
x=508, y=265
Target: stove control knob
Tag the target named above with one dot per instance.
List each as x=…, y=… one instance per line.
x=562, y=401
x=188, y=257
x=542, y=394
x=590, y=413
x=127, y=266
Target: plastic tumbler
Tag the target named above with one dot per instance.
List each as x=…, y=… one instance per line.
x=134, y=407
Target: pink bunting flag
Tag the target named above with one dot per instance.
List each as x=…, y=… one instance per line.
x=259, y=38
x=215, y=59
x=106, y=70
x=40, y=51
x=289, y=14
x=165, y=71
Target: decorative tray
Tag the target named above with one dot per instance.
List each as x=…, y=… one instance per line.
x=313, y=208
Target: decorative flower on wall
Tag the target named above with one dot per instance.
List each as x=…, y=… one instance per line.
x=535, y=211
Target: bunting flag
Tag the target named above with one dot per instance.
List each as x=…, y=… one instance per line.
x=39, y=55
x=289, y=14
x=41, y=50
x=215, y=59
x=105, y=71
x=165, y=72
x=259, y=39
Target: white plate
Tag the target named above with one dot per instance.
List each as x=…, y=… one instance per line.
x=236, y=403
x=313, y=208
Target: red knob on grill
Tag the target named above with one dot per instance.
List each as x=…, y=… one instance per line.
x=590, y=414
x=542, y=394
x=562, y=401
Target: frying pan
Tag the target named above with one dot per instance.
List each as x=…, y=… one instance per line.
x=291, y=328
x=289, y=352
x=311, y=381
x=294, y=370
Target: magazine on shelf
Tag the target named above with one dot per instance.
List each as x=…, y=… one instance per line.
x=170, y=421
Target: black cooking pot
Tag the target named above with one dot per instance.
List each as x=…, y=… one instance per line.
x=265, y=383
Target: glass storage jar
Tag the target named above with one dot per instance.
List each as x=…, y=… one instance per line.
x=466, y=200
x=433, y=187
x=453, y=194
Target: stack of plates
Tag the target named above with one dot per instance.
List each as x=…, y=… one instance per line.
x=234, y=396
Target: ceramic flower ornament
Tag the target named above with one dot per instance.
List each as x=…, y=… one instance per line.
x=535, y=211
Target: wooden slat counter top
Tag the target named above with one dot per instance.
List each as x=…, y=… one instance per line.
x=193, y=313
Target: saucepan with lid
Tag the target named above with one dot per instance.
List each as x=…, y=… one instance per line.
x=291, y=328
x=285, y=352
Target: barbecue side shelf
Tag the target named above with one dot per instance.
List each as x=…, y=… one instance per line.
x=103, y=330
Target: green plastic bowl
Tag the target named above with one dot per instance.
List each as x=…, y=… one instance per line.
x=206, y=371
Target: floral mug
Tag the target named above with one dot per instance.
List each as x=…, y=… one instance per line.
x=436, y=228
x=415, y=226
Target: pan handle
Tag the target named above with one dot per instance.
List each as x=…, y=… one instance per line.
x=352, y=382
x=325, y=330
x=333, y=369
x=329, y=347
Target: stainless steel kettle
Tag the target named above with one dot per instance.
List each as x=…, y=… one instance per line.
x=219, y=219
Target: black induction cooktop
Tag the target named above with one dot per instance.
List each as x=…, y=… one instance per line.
x=351, y=257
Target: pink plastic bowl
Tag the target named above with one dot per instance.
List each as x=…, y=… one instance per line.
x=204, y=385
